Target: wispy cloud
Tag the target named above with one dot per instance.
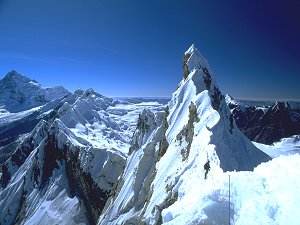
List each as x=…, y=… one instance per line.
x=59, y=59
x=88, y=45
x=51, y=59
x=19, y=56
x=73, y=60
x=112, y=50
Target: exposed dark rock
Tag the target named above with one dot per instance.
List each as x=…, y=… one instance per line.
x=21, y=211
x=5, y=176
x=52, y=155
x=188, y=131
x=82, y=185
x=10, y=132
x=171, y=198
x=9, y=146
x=276, y=122
x=18, y=158
x=186, y=71
x=231, y=123
x=164, y=144
x=207, y=78
x=36, y=171
x=143, y=126
x=217, y=97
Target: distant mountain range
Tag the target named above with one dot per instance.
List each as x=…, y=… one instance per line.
x=84, y=158
x=267, y=123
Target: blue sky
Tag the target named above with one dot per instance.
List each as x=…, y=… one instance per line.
x=135, y=48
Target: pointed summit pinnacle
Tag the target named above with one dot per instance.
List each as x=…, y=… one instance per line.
x=15, y=76
x=193, y=59
x=12, y=74
x=191, y=49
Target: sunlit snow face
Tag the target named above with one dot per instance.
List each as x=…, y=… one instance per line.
x=111, y=128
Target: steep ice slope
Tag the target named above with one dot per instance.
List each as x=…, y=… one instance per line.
x=19, y=93
x=65, y=169
x=164, y=175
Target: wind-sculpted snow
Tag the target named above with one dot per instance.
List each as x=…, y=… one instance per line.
x=265, y=196
x=64, y=170
x=170, y=188
x=286, y=146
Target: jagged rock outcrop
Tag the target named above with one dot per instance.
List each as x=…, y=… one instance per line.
x=163, y=186
x=266, y=124
x=59, y=174
x=19, y=93
x=145, y=125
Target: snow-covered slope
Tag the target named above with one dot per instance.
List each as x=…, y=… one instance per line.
x=64, y=170
x=286, y=146
x=14, y=127
x=19, y=93
x=23, y=103
x=163, y=181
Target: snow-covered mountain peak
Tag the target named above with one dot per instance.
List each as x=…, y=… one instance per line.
x=14, y=75
x=91, y=93
x=191, y=49
x=18, y=93
x=281, y=106
x=230, y=100
x=168, y=160
x=13, y=79
x=79, y=91
x=197, y=104
x=193, y=59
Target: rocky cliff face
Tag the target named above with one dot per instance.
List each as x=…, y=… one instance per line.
x=266, y=124
x=166, y=168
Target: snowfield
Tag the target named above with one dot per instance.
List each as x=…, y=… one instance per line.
x=286, y=146
x=267, y=196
